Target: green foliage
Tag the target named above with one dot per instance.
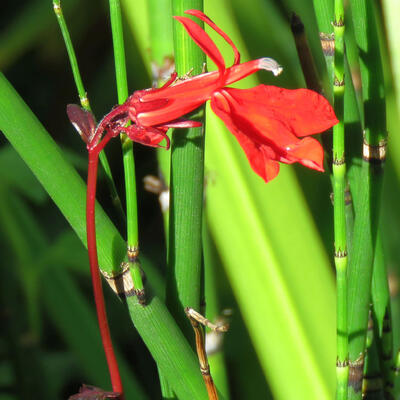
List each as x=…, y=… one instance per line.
x=268, y=249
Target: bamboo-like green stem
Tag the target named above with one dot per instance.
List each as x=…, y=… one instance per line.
x=367, y=205
x=339, y=183
x=186, y=190
x=161, y=45
x=127, y=149
x=84, y=100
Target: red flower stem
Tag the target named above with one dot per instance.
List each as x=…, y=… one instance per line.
x=94, y=267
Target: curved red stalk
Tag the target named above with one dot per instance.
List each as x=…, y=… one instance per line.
x=95, y=272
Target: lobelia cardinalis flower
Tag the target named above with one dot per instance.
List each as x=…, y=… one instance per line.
x=269, y=122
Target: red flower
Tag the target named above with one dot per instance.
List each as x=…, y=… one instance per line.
x=267, y=121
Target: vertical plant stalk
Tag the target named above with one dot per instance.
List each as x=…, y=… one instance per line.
x=186, y=187
x=339, y=183
x=90, y=214
x=368, y=195
x=95, y=272
x=84, y=100
x=304, y=53
x=162, y=64
x=127, y=150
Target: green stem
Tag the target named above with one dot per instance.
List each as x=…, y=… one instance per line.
x=368, y=195
x=339, y=183
x=186, y=193
x=84, y=100
x=127, y=150
x=161, y=45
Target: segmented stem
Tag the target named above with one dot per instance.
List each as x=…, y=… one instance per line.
x=84, y=100
x=186, y=190
x=371, y=173
x=127, y=149
x=339, y=184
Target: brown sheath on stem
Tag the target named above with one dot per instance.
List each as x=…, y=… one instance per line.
x=197, y=320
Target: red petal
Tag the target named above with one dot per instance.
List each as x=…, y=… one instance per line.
x=208, y=21
x=204, y=41
x=307, y=151
x=261, y=157
x=304, y=111
x=148, y=136
x=262, y=134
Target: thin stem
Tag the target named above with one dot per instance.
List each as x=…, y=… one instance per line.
x=84, y=100
x=304, y=54
x=339, y=183
x=71, y=54
x=95, y=273
x=127, y=150
x=197, y=320
x=186, y=190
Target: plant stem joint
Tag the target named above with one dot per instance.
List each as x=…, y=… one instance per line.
x=340, y=253
x=327, y=43
x=371, y=385
x=339, y=161
x=374, y=153
x=57, y=8
x=85, y=101
x=342, y=363
x=133, y=253
x=121, y=282
x=338, y=24
x=356, y=368
x=338, y=82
